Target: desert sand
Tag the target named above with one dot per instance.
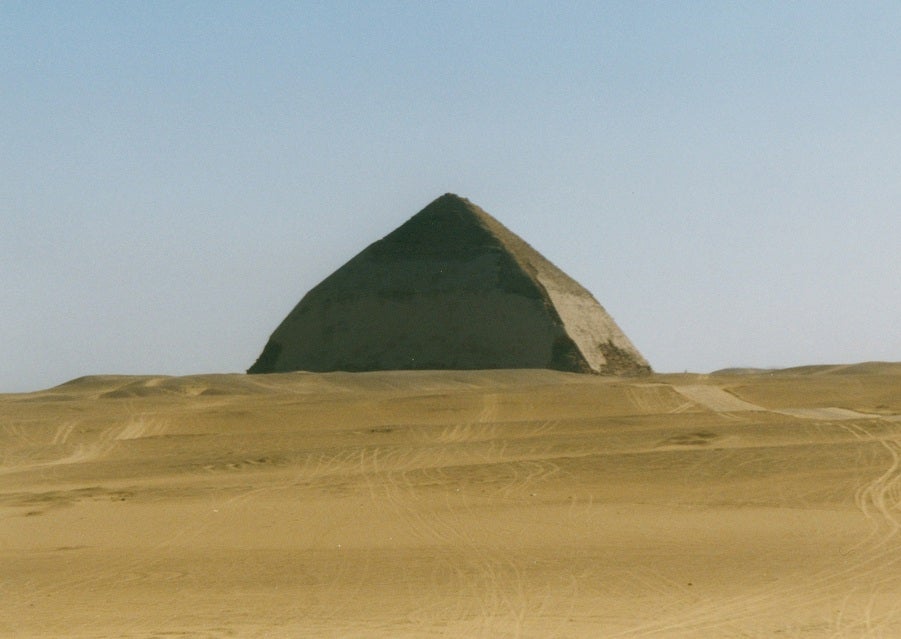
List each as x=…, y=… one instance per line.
x=523, y=503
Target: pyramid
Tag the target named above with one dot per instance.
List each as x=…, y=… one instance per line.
x=451, y=288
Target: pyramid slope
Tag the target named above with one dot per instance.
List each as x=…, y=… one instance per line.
x=452, y=288
x=603, y=344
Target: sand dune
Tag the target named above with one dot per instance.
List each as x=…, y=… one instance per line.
x=454, y=504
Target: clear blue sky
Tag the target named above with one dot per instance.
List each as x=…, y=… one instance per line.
x=725, y=177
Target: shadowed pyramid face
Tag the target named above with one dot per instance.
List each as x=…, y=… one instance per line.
x=452, y=288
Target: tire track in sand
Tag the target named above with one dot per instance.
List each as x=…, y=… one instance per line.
x=493, y=589
x=866, y=569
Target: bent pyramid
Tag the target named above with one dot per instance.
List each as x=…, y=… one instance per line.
x=452, y=288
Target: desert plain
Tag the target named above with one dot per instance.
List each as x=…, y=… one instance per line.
x=509, y=503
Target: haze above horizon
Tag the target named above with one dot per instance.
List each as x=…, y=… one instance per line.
x=724, y=178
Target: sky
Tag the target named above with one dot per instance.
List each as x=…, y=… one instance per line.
x=724, y=177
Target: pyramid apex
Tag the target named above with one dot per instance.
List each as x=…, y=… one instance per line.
x=451, y=199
